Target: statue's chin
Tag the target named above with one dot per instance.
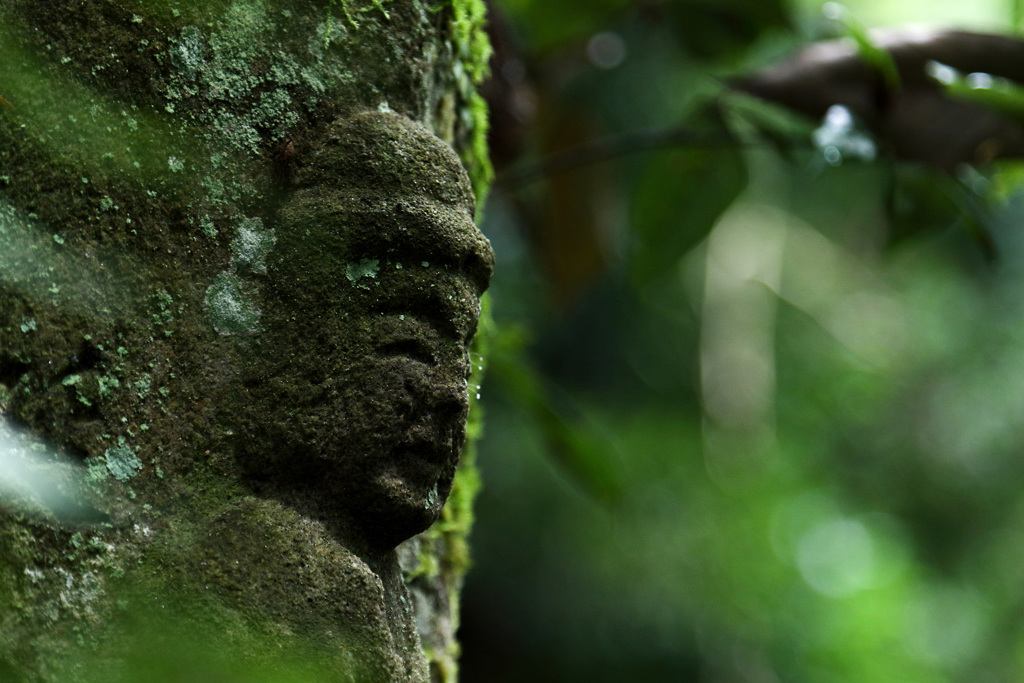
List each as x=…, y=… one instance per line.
x=404, y=505
x=383, y=468
x=386, y=496
x=396, y=490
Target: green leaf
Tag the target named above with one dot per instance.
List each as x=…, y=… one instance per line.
x=680, y=196
x=756, y=121
x=922, y=199
x=999, y=94
x=871, y=54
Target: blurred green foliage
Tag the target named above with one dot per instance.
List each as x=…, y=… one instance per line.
x=801, y=378
x=678, y=198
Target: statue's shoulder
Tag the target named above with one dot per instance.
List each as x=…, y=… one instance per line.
x=309, y=586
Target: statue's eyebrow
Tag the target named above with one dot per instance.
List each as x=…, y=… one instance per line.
x=419, y=229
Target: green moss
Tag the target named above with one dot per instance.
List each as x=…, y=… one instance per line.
x=477, y=157
x=59, y=112
x=347, y=11
x=475, y=50
x=143, y=385
x=76, y=382
x=107, y=385
x=473, y=54
x=207, y=226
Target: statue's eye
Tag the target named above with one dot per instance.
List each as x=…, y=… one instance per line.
x=415, y=349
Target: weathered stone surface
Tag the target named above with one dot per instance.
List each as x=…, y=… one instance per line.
x=238, y=279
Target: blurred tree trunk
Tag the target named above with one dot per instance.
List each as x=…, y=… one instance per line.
x=144, y=147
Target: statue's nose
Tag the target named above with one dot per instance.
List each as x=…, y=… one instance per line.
x=449, y=397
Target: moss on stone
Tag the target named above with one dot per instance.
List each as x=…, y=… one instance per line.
x=188, y=122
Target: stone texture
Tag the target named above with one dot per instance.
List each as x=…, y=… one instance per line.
x=238, y=277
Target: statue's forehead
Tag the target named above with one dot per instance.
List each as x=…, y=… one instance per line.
x=386, y=153
x=381, y=194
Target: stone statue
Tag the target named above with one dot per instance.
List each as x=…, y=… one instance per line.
x=338, y=359
x=354, y=405
x=249, y=338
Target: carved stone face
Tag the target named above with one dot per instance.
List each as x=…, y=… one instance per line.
x=360, y=391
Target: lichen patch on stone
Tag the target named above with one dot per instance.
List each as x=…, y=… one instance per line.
x=122, y=462
x=364, y=268
x=251, y=245
x=229, y=309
